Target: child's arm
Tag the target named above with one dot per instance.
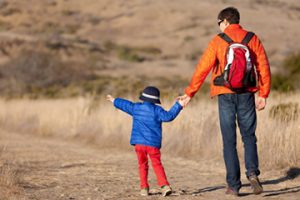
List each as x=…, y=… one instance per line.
x=167, y=116
x=122, y=104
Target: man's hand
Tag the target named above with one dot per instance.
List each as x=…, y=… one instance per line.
x=260, y=103
x=110, y=98
x=184, y=100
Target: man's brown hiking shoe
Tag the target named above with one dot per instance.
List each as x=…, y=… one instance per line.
x=255, y=184
x=232, y=192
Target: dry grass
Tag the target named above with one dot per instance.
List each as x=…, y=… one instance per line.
x=278, y=138
x=9, y=179
x=194, y=134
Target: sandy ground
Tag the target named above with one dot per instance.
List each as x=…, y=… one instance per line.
x=53, y=169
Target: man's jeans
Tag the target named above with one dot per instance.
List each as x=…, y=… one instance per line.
x=240, y=107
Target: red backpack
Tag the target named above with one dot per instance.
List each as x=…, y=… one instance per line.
x=239, y=73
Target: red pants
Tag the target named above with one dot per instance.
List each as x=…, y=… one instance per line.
x=142, y=153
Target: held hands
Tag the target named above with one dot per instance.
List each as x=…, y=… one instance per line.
x=183, y=100
x=260, y=103
x=110, y=98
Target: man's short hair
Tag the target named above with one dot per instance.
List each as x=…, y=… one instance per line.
x=231, y=14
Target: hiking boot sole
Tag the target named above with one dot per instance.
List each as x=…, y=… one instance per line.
x=256, y=186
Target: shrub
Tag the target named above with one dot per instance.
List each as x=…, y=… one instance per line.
x=33, y=72
x=132, y=54
x=282, y=83
x=9, y=11
x=128, y=54
x=4, y=25
x=292, y=63
x=188, y=38
x=69, y=12
x=290, y=80
x=194, y=56
x=285, y=112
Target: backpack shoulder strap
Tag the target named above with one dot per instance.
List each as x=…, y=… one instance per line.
x=247, y=38
x=226, y=38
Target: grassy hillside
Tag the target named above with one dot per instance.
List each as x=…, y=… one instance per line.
x=139, y=36
x=65, y=48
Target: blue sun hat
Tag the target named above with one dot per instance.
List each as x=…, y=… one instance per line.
x=150, y=94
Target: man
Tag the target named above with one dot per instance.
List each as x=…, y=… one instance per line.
x=235, y=106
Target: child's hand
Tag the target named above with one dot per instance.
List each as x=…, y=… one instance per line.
x=180, y=101
x=183, y=100
x=110, y=98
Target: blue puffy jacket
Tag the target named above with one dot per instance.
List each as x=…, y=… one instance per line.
x=147, y=120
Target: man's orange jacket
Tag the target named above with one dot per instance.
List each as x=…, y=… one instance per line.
x=214, y=58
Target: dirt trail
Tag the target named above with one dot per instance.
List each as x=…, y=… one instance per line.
x=54, y=169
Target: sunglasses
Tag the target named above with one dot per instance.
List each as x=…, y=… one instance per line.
x=220, y=21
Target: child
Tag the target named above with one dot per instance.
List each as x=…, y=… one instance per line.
x=146, y=133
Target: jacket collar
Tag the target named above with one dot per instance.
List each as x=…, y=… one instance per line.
x=232, y=27
x=146, y=102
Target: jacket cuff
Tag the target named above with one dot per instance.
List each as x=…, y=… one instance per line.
x=116, y=101
x=263, y=95
x=186, y=91
x=178, y=104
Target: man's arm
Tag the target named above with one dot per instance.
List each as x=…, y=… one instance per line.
x=262, y=65
x=204, y=66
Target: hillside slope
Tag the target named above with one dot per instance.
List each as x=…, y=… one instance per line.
x=137, y=36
